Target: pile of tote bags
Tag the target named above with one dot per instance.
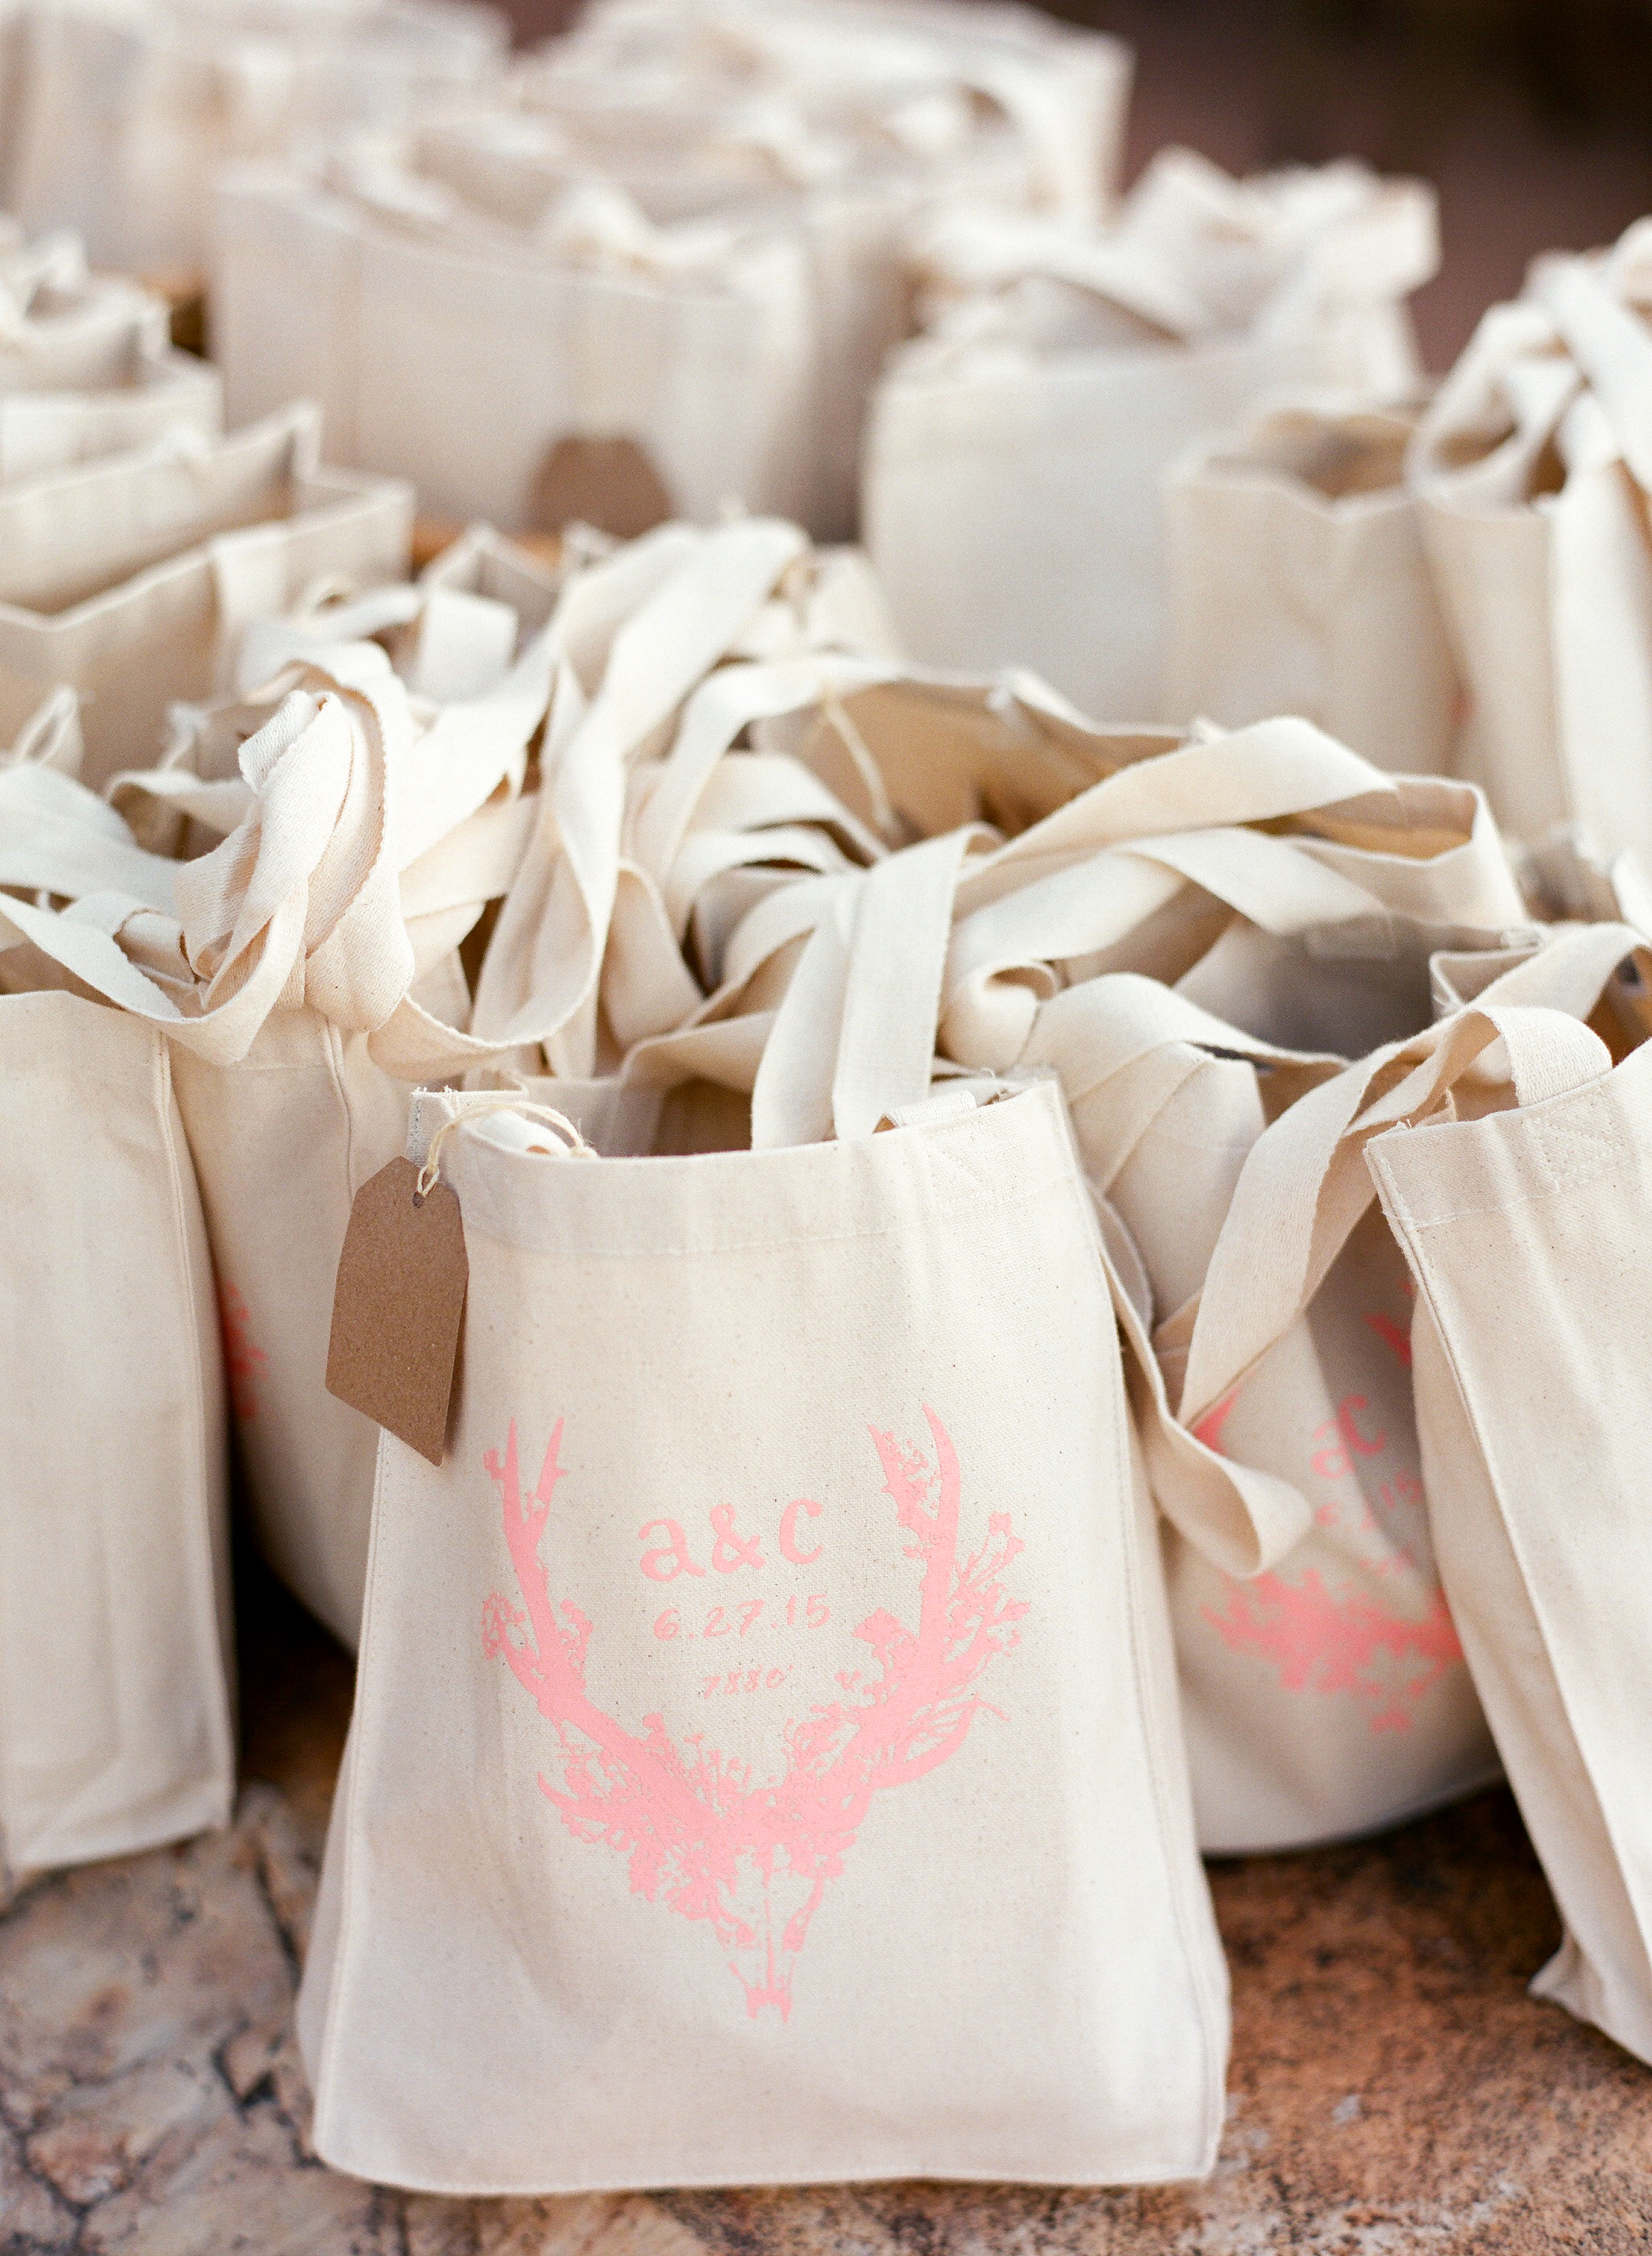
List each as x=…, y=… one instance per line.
x=883, y=1307
x=683, y=232
x=116, y=116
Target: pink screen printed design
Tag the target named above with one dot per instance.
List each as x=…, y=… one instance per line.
x=753, y=1857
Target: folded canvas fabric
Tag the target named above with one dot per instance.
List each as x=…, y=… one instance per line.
x=1532, y=468
x=1011, y=487
x=115, y=1671
x=129, y=579
x=1298, y=583
x=443, y=343
x=126, y=110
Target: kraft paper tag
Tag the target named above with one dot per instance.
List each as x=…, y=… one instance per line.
x=398, y=1306
x=607, y=482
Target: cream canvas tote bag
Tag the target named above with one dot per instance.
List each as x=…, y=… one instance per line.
x=919, y=77
x=363, y=832
x=1518, y=1211
x=130, y=580
x=86, y=369
x=1324, y=1692
x=1011, y=497
x=62, y=330
x=128, y=110
x=116, y=1731
x=1532, y=468
x=838, y=1905
x=1298, y=583
x=695, y=342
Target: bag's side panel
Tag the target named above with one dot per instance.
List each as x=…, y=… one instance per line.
x=1525, y=1232
x=1492, y=567
x=114, y=1712
x=282, y=1143
x=1013, y=516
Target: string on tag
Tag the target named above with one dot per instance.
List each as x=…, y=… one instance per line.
x=478, y=1107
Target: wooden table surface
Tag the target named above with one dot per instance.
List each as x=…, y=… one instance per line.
x=1393, y=2088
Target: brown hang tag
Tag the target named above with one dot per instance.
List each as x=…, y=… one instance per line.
x=607, y=482
x=397, y=1307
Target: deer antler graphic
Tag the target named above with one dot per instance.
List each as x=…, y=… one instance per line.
x=1328, y=1641
x=754, y=1858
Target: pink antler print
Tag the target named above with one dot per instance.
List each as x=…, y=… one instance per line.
x=754, y=1858
x=1324, y=1643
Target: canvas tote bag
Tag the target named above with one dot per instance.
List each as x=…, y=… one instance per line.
x=1327, y=1695
x=1523, y=1224
x=1300, y=1217
x=840, y=1904
x=1298, y=583
x=85, y=367
x=62, y=330
x=367, y=289
x=125, y=116
x=1010, y=497
x=129, y=580
x=1532, y=468
x=115, y=1731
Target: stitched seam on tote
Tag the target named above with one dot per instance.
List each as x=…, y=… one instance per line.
x=1210, y=2011
x=802, y=1237
x=367, y=1698
x=221, y=1733
x=1482, y=1432
x=1623, y=1161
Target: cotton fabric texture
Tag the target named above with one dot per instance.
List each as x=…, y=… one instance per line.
x=124, y=116
x=1531, y=470
x=844, y=1902
x=129, y=579
x=1300, y=583
x=1010, y=494
x=116, y=1731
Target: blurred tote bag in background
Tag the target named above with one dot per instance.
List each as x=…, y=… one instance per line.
x=1532, y=470
x=840, y=124
x=129, y=579
x=1011, y=490
x=86, y=369
x=797, y=1720
x=1298, y=583
x=451, y=348
x=116, y=1731
x=1002, y=89
x=128, y=110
